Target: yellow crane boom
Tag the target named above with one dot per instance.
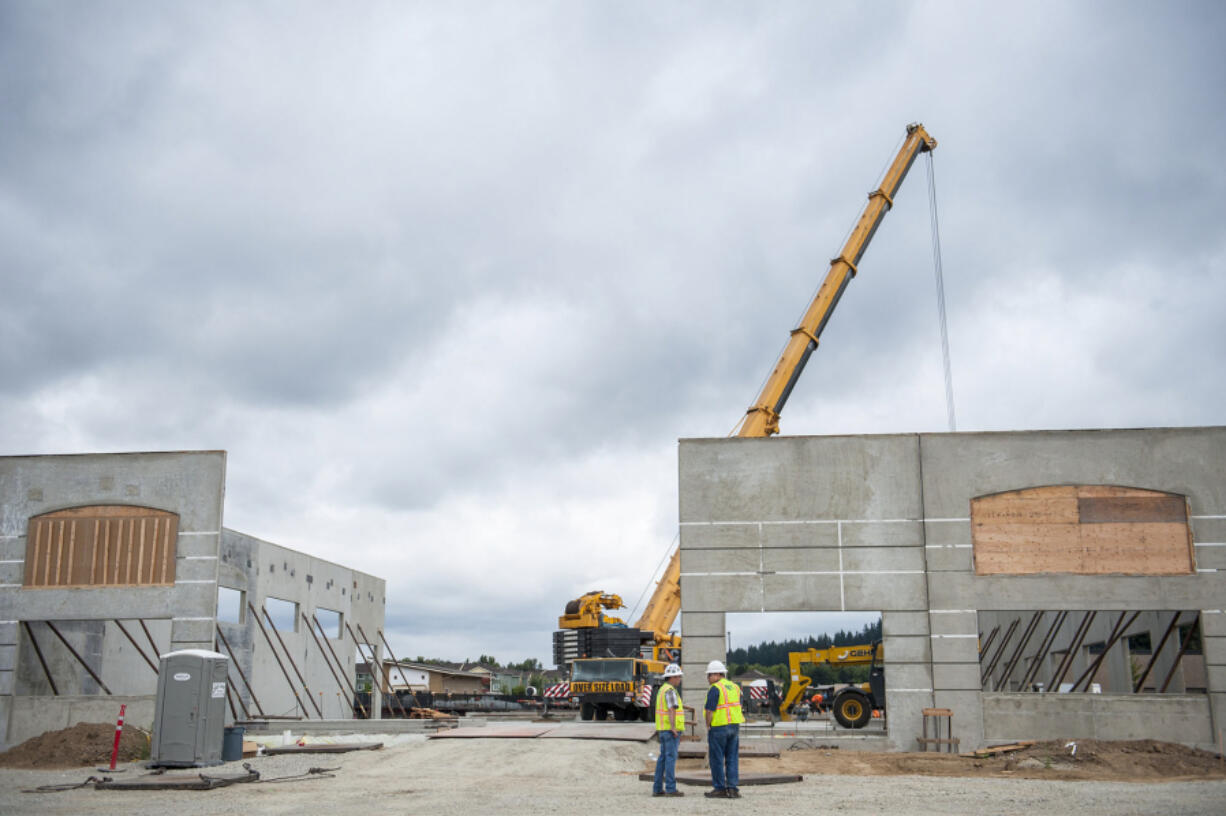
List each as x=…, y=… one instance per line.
x=762, y=418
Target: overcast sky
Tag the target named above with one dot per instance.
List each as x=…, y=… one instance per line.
x=448, y=281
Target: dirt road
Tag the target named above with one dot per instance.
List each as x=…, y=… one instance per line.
x=514, y=776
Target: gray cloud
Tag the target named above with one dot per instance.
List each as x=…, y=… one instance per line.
x=460, y=276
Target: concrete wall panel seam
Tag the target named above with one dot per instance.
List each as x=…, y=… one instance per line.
x=786, y=522
x=707, y=574
x=845, y=572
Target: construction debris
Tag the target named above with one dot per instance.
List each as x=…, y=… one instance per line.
x=177, y=782
x=998, y=749
x=324, y=748
x=429, y=714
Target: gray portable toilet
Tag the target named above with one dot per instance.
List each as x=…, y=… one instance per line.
x=190, y=717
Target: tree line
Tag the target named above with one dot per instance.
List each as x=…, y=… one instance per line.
x=771, y=657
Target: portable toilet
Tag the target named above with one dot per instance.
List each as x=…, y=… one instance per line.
x=190, y=714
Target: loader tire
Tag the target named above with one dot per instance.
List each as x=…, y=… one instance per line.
x=587, y=711
x=602, y=713
x=853, y=709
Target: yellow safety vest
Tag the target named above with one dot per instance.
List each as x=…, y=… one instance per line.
x=662, y=718
x=728, y=711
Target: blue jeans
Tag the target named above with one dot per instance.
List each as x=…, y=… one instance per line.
x=723, y=753
x=666, y=763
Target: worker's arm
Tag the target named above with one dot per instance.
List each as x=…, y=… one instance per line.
x=712, y=703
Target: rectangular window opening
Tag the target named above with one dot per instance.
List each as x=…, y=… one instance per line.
x=331, y=621
x=1091, y=651
x=231, y=604
x=822, y=671
x=284, y=614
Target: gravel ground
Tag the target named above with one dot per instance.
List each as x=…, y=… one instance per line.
x=513, y=776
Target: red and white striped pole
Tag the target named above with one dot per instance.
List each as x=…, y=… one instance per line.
x=118, y=733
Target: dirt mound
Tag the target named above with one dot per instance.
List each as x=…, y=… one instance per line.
x=82, y=744
x=1124, y=759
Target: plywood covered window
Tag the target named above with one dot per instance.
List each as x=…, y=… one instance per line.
x=101, y=545
x=1083, y=530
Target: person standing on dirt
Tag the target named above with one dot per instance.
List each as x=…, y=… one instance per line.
x=670, y=722
x=724, y=718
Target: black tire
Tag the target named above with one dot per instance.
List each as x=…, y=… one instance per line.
x=853, y=709
x=625, y=714
x=587, y=711
x=602, y=713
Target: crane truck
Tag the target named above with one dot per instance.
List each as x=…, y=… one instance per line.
x=586, y=634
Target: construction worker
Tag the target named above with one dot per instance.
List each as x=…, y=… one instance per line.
x=670, y=722
x=724, y=718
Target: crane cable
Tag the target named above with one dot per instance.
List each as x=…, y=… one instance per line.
x=652, y=580
x=940, y=279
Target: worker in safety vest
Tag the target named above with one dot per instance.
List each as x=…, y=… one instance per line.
x=670, y=722
x=724, y=718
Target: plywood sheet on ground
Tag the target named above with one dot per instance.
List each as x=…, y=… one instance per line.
x=698, y=750
x=704, y=779
x=633, y=732
x=491, y=732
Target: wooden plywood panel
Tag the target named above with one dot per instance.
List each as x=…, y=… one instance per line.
x=1081, y=529
x=108, y=545
x=1132, y=509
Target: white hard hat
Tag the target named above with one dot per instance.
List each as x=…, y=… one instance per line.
x=672, y=670
x=716, y=667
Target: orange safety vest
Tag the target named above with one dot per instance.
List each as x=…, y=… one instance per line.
x=662, y=719
x=728, y=710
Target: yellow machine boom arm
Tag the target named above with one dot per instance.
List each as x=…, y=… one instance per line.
x=664, y=605
x=588, y=610
x=762, y=418
x=836, y=655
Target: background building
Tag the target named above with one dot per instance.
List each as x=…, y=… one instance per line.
x=108, y=560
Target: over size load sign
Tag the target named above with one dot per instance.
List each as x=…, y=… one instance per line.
x=592, y=687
